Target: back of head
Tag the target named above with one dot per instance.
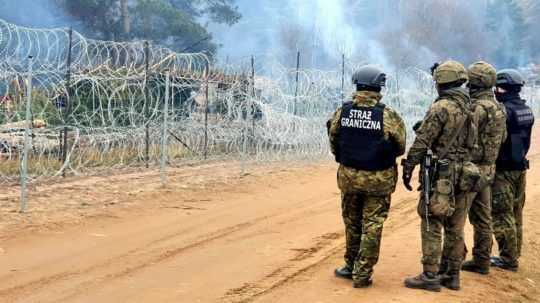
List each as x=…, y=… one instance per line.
x=450, y=74
x=482, y=75
x=369, y=78
x=510, y=80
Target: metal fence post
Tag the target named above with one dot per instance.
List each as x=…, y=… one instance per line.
x=164, y=133
x=244, y=148
x=206, y=109
x=26, y=147
x=146, y=103
x=295, y=110
x=252, y=97
x=68, y=103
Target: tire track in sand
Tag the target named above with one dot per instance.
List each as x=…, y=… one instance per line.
x=324, y=247
x=146, y=256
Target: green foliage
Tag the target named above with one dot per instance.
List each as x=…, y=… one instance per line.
x=178, y=24
x=100, y=18
x=159, y=21
x=218, y=11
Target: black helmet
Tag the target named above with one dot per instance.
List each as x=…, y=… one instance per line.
x=369, y=76
x=510, y=77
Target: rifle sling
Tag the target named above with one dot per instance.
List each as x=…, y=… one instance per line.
x=453, y=139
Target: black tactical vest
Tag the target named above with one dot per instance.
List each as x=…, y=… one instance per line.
x=520, y=120
x=361, y=139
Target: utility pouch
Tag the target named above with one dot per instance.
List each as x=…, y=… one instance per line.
x=442, y=203
x=487, y=175
x=470, y=177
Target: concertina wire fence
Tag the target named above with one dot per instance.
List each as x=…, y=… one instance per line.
x=101, y=105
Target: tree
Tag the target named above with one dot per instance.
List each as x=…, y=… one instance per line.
x=218, y=11
x=161, y=22
x=177, y=24
x=99, y=19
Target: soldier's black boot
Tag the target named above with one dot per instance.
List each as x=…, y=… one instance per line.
x=473, y=266
x=344, y=273
x=500, y=263
x=426, y=280
x=362, y=284
x=450, y=280
x=443, y=268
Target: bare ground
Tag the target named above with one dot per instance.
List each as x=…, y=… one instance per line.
x=274, y=235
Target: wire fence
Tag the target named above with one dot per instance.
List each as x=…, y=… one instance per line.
x=75, y=106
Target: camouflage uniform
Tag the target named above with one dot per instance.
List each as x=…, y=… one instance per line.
x=366, y=194
x=510, y=182
x=439, y=126
x=508, y=203
x=490, y=117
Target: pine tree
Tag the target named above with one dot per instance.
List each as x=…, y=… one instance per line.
x=174, y=23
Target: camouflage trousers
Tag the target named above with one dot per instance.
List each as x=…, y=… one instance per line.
x=364, y=216
x=481, y=220
x=451, y=252
x=508, y=203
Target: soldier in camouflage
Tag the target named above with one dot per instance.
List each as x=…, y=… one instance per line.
x=366, y=137
x=448, y=131
x=490, y=117
x=510, y=176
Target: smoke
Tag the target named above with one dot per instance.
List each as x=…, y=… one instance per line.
x=33, y=13
x=392, y=33
x=321, y=30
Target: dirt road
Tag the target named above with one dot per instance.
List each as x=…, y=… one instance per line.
x=273, y=236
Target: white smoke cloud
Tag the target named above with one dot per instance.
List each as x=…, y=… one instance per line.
x=330, y=26
x=33, y=13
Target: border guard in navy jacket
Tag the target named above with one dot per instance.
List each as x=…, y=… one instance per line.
x=512, y=165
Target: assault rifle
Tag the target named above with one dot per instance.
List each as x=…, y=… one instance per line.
x=426, y=186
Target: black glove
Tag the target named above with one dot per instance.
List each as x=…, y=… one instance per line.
x=408, y=170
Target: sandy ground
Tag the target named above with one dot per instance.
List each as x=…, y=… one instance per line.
x=274, y=235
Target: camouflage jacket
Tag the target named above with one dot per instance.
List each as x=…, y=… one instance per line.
x=369, y=182
x=490, y=117
x=440, y=124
